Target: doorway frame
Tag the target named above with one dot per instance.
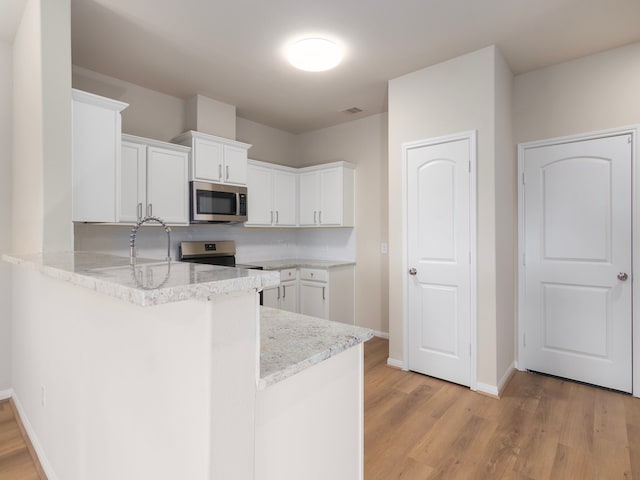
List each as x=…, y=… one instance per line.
x=632, y=130
x=470, y=135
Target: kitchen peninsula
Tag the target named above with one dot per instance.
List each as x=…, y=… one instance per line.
x=171, y=370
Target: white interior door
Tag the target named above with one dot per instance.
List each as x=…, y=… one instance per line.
x=577, y=260
x=439, y=259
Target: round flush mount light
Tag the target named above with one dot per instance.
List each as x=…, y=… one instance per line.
x=314, y=54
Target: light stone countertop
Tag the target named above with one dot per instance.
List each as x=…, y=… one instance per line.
x=291, y=343
x=299, y=262
x=149, y=282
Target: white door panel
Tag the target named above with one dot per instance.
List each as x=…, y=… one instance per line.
x=439, y=295
x=577, y=221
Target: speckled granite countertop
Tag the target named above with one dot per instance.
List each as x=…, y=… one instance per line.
x=291, y=343
x=149, y=282
x=299, y=262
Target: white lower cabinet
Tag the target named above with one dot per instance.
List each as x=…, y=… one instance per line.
x=328, y=293
x=318, y=292
x=313, y=299
x=153, y=180
x=285, y=295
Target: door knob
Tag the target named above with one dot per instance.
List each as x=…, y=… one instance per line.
x=623, y=276
x=412, y=271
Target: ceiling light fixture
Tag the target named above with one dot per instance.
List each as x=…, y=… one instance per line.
x=314, y=54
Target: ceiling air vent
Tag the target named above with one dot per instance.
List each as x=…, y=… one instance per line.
x=352, y=110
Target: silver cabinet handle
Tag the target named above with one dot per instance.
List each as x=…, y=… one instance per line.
x=320, y=217
x=623, y=276
x=284, y=292
x=277, y=217
x=219, y=171
x=278, y=292
x=315, y=214
x=149, y=210
x=271, y=217
x=226, y=171
x=139, y=210
x=323, y=291
x=412, y=271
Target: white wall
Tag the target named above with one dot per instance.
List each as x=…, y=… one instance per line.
x=207, y=115
x=506, y=221
x=451, y=97
x=268, y=144
x=150, y=114
x=55, y=24
x=6, y=79
x=362, y=142
x=587, y=94
x=28, y=192
x=41, y=197
x=251, y=243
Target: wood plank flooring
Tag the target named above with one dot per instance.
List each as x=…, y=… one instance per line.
x=418, y=427
x=16, y=458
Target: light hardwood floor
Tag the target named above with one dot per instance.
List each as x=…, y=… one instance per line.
x=16, y=457
x=418, y=427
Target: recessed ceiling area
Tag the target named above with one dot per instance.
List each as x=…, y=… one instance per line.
x=232, y=51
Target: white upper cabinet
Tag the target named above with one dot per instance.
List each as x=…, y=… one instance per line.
x=327, y=195
x=154, y=180
x=215, y=159
x=133, y=181
x=271, y=195
x=96, y=130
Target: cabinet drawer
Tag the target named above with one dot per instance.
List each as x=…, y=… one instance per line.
x=288, y=274
x=316, y=274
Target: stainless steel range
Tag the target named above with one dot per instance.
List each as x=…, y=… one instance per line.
x=213, y=253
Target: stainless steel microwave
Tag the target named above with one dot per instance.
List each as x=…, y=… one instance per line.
x=216, y=203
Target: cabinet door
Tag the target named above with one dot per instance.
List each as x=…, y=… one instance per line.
x=289, y=296
x=271, y=297
x=235, y=165
x=133, y=181
x=314, y=299
x=308, y=198
x=96, y=152
x=207, y=160
x=259, y=195
x=330, y=197
x=167, y=195
x=284, y=198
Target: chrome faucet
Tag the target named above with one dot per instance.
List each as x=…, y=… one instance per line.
x=134, y=232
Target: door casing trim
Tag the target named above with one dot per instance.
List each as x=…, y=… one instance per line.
x=473, y=242
x=632, y=130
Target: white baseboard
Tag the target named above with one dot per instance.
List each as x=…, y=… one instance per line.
x=392, y=362
x=487, y=389
x=496, y=390
x=4, y=394
x=506, y=377
x=381, y=334
x=37, y=446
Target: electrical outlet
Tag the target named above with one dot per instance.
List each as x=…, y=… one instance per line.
x=384, y=248
x=43, y=396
